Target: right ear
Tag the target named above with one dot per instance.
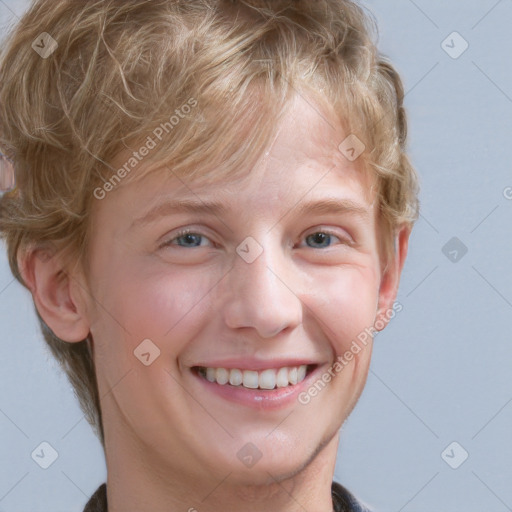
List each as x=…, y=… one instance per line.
x=57, y=295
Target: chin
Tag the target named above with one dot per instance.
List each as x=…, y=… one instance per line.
x=275, y=463
x=265, y=475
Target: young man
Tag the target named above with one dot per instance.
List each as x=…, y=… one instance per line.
x=212, y=212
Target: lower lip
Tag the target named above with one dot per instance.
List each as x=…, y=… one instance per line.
x=260, y=398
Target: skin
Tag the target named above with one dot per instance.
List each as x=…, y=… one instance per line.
x=171, y=445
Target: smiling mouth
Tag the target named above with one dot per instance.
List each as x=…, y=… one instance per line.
x=268, y=380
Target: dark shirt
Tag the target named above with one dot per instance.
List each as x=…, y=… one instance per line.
x=342, y=500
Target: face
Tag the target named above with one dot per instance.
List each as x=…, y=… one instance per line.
x=267, y=279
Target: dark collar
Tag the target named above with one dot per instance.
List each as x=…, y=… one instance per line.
x=98, y=501
x=342, y=500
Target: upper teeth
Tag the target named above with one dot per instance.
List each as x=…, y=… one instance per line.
x=265, y=379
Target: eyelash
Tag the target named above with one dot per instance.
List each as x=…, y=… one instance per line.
x=188, y=231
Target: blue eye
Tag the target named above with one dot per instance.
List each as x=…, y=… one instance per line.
x=188, y=239
x=322, y=239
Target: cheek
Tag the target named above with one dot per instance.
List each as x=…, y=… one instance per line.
x=347, y=304
x=133, y=302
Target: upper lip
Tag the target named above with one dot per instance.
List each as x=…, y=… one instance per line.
x=256, y=364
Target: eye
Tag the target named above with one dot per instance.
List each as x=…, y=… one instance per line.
x=186, y=238
x=323, y=239
x=317, y=240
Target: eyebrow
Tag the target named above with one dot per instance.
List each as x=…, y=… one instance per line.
x=180, y=206
x=332, y=205
x=323, y=206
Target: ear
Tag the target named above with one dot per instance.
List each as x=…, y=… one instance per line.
x=57, y=295
x=390, y=278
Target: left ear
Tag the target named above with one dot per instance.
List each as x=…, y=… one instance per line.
x=391, y=277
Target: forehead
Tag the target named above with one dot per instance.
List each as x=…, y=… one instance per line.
x=310, y=134
x=304, y=155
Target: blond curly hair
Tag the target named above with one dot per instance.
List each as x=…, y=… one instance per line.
x=114, y=71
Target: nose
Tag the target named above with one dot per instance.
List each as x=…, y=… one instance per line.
x=263, y=295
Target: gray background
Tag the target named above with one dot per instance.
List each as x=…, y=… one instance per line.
x=441, y=371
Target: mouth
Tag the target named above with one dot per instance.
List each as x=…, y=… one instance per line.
x=268, y=379
x=267, y=389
